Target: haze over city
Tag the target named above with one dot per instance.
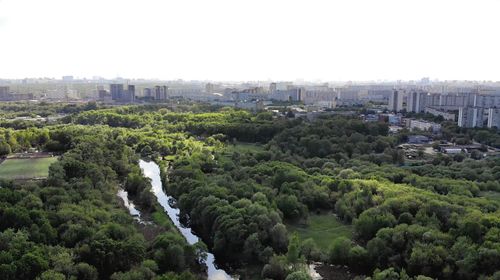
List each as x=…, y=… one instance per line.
x=251, y=40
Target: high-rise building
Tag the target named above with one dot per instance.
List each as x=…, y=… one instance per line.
x=104, y=95
x=396, y=101
x=416, y=101
x=147, y=92
x=130, y=94
x=161, y=92
x=451, y=101
x=487, y=100
x=116, y=91
x=472, y=117
x=348, y=95
x=291, y=94
x=314, y=96
x=120, y=95
x=272, y=87
x=209, y=88
x=4, y=92
x=494, y=118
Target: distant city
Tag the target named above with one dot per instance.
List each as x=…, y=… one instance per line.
x=468, y=103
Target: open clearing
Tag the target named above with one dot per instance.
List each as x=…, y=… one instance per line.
x=26, y=168
x=323, y=229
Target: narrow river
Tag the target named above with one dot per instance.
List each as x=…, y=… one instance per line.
x=123, y=194
x=152, y=171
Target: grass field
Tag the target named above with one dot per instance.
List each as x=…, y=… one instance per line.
x=26, y=168
x=323, y=229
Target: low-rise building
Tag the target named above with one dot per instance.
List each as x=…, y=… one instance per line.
x=452, y=150
x=423, y=125
x=446, y=115
x=418, y=139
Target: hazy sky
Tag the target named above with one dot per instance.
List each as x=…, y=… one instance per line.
x=249, y=40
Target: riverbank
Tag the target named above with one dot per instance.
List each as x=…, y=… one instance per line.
x=153, y=171
x=144, y=221
x=152, y=221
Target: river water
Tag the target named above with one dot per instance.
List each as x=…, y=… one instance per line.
x=152, y=171
x=123, y=194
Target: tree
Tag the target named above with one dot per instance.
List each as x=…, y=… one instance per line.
x=5, y=149
x=252, y=247
x=298, y=275
x=290, y=206
x=51, y=275
x=279, y=237
x=31, y=265
x=390, y=274
x=275, y=269
x=358, y=257
x=293, y=254
x=310, y=250
x=169, y=253
x=371, y=220
x=84, y=271
x=338, y=253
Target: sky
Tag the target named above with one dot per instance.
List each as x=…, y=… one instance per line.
x=326, y=40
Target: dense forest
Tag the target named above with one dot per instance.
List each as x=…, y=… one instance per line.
x=243, y=182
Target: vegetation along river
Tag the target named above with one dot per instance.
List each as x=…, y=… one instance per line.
x=152, y=171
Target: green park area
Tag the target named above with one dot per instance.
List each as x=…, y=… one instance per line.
x=322, y=229
x=25, y=168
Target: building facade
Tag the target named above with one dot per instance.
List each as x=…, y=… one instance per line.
x=161, y=92
x=416, y=101
x=291, y=94
x=424, y=125
x=119, y=94
x=471, y=117
x=446, y=115
x=4, y=92
x=494, y=118
x=396, y=101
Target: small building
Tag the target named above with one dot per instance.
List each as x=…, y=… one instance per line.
x=423, y=125
x=394, y=129
x=418, y=139
x=371, y=118
x=394, y=119
x=452, y=150
x=436, y=112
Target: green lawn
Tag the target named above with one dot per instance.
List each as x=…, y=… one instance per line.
x=27, y=168
x=323, y=229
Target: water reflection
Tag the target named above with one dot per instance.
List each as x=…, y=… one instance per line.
x=123, y=194
x=152, y=171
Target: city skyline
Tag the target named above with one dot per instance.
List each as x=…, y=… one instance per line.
x=222, y=40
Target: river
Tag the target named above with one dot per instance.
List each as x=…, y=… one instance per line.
x=123, y=194
x=152, y=171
